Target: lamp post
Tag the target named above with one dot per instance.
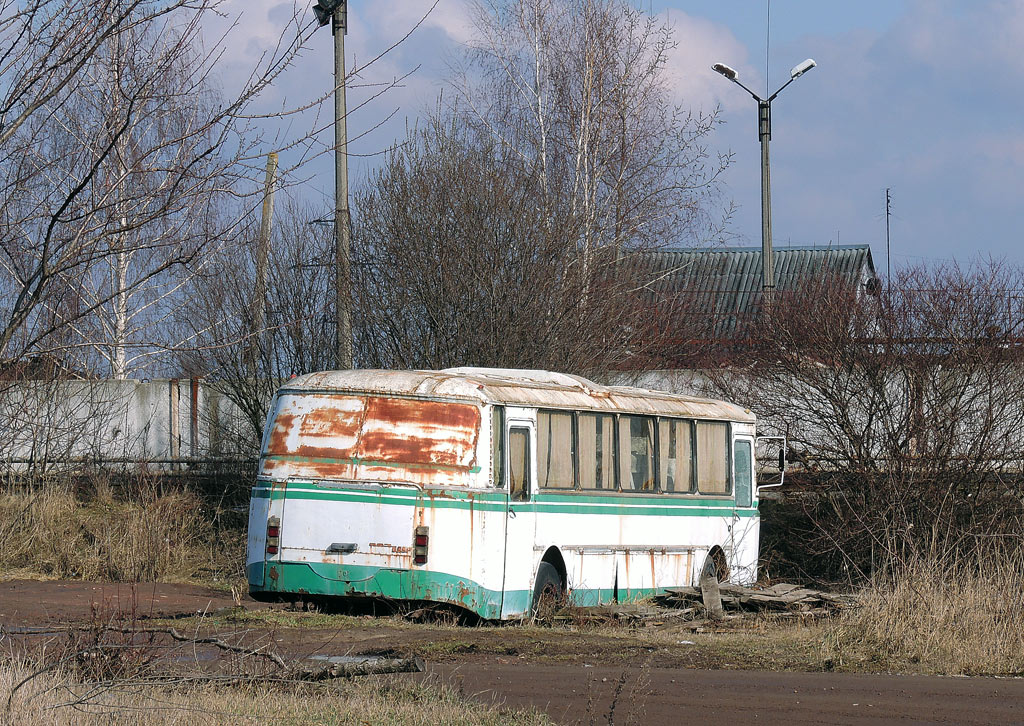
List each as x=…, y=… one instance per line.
x=764, y=133
x=336, y=13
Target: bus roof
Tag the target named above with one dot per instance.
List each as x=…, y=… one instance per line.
x=528, y=388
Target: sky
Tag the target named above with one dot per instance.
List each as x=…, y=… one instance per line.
x=915, y=96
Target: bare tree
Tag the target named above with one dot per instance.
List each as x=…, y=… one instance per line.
x=242, y=359
x=118, y=152
x=904, y=408
x=578, y=90
x=499, y=233
x=456, y=265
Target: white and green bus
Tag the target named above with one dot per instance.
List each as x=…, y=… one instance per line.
x=489, y=489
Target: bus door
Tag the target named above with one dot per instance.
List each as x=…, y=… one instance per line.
x=744, y=526
x=520, y=522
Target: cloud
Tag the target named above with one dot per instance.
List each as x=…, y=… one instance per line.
x=701, y=44
x=926, y=106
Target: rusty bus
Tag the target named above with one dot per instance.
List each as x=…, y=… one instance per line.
x=490, y=489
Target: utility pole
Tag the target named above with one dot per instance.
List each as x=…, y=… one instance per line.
x=342, y=226
x=888, y=262
x=335, y=12
x=262, y=257
x=764, y=133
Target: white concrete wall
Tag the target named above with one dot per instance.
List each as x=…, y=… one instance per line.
x=117, y=423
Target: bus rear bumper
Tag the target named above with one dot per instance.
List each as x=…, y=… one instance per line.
x=300, y=579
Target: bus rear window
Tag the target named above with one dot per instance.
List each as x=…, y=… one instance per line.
x=370, y=438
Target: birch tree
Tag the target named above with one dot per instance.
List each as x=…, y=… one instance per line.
x=580, y=89
x=454, y=266
x=120, y=156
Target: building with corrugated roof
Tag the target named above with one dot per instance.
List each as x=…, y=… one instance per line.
x=704, y=298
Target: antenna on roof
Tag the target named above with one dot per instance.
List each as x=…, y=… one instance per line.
x=767, y=44
x=888, y=264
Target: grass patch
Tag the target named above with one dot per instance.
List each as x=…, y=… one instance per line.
x=964, y=617
x=156, y=536
x=59, y=699
x=282, y=619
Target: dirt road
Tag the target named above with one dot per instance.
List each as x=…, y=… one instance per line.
x=575, y=694
x=35, y=602
x=638, y=685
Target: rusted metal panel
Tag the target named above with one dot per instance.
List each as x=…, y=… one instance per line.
x=527, y=388
x=372, y=438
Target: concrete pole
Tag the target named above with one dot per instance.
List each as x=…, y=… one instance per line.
x=764, y=132
x=263, y=258
x=342, y=227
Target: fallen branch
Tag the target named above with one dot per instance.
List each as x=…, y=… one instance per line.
x=217, y=643
x=374, y=667
x=172, y=632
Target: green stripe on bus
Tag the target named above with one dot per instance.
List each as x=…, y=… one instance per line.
x=331, y=580
x=616, y=506
x=576, y=498
x=318, y=578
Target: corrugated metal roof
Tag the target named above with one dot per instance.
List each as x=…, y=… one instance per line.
x=518, y=388
x=726, y=281
x=738, y=269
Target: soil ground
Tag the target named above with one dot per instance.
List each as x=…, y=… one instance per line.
x=662, y=674
x=35, y=602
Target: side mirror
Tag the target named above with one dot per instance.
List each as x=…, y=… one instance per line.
x=779, y=441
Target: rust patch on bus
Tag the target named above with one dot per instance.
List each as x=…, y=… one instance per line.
x=424, y=413
x=329, y=423
x=430, y=432
x=372, y=437
x=279, y=434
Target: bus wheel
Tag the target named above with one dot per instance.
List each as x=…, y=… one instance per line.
x=548, y=593
x=716, y=565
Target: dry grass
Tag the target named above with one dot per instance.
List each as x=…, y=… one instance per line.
x=60, y=700
x=964, y=617
x=157, y=536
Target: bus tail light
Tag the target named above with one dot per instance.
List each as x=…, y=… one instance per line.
x=420, y=543
x=273, y=535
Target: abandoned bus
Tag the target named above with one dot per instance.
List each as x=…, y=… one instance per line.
x=490, y=489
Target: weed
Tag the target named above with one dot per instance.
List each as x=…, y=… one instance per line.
x=153, y=536
x=65, y=699
x=963, y=616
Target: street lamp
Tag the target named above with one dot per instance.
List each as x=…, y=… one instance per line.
x=764, y=133
x=326, y=11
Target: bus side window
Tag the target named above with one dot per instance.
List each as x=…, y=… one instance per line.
x=636, y=453
x=597, y=451
x=675, y=455
x=712, y=457
x=555, y=461
x=519, y=464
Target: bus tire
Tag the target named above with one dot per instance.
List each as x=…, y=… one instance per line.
x=716, y=565
x=548, y=590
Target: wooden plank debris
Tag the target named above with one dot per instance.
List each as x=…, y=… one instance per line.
x=782, y=597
